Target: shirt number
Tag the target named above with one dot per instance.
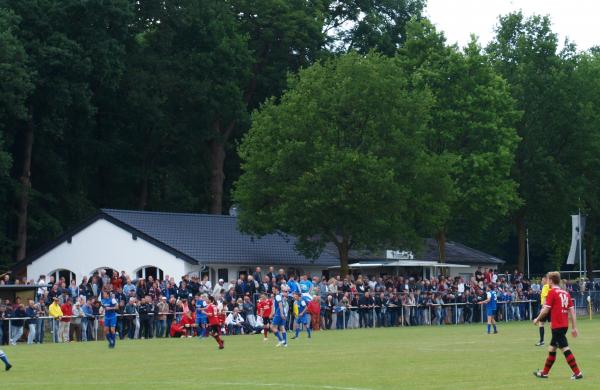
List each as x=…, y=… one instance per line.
x=564, y=300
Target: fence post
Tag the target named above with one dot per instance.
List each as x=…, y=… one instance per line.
x=430, y=317
x=481, y=310
x=530, y=311
x=402, y=314
x=455, y=314
x=505, y=311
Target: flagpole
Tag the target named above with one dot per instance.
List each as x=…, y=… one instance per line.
x=527, y=239
x=580, y=237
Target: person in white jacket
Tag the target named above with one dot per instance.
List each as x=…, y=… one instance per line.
x=234, y=322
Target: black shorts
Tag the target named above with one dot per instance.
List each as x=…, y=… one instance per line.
x=214, y=329
x=266, y=321
x=547, y=319
x=559, y=338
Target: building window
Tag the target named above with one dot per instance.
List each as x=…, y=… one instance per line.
x=63, y=273
x=155, y=272
x=223, y=273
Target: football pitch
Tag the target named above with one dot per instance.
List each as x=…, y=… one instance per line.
x=447, y=357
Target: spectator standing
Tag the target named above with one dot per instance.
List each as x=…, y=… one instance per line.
x=162, y=310
x=31, y=312
x=16, y=326
x=65, y=321
x=146, y=310
x=130, y=318
x=86, y=320
x=42, y=311
x=56, y=313
x=75, y=327
x=248, y=308
x=73, y=291
x=314, y=309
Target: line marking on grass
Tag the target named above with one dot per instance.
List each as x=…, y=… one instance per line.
x=250, y=384
x=284, y=385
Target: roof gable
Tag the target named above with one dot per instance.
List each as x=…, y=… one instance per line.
x=216, y=239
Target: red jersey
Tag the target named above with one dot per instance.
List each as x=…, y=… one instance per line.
x=559, y=301
x=265, y=307
x=213, y=314
x=67, y=310
x=185, y=320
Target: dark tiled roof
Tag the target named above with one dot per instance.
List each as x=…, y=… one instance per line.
x=216, y=239
x=457, y=253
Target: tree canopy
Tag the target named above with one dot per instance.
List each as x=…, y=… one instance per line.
x=336, y=159
x=146, y=105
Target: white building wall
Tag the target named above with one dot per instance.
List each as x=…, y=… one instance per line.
x=105, y=245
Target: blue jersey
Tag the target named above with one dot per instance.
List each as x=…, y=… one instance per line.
x=200, y=304
x=305, y=286
x=301, y=304
x=491, y=295
x=280, y=299
x=294, y=286
x=112, y=303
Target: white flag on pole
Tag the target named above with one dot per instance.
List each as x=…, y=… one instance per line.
x=578, y=227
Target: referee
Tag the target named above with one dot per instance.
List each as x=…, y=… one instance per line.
x=543, y=295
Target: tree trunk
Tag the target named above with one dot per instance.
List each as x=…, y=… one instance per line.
x=589, y=247
x=441, y=240
x=23, y=191
x=143, y=195
x=217, y=175
x=520, y=225
x=343, y=250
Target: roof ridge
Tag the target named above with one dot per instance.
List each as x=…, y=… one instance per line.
x=166, y=213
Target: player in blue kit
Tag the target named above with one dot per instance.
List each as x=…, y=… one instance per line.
x=110, y=318
x=4, y=359
x=279, y=314
x=491, y=303
x=201, y=317
x=302, y=319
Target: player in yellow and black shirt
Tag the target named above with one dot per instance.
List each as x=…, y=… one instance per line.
x=543, y=295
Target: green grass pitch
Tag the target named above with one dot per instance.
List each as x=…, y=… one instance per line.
x=447, y=357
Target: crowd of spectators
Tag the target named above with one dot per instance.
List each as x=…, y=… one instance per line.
x=166, y=308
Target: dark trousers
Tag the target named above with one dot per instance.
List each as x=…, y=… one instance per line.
x=328, y=320
x=363, y=318
x=146, y=327
x=130, y=325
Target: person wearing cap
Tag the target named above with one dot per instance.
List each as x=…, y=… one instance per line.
x=75, y=329
x=220, y=286
x=56, y=313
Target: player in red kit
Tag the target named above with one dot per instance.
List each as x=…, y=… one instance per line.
x=264, y=308
x=214, y=326
x=560, y=305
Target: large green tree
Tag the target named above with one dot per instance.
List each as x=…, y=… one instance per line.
x=15, y=87
x=584, y=148
x=525, y=52
x=339, y=159
x=365, y=25
x=74, y=50
x=471, y=131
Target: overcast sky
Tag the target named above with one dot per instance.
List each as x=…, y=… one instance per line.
x=575, y=19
